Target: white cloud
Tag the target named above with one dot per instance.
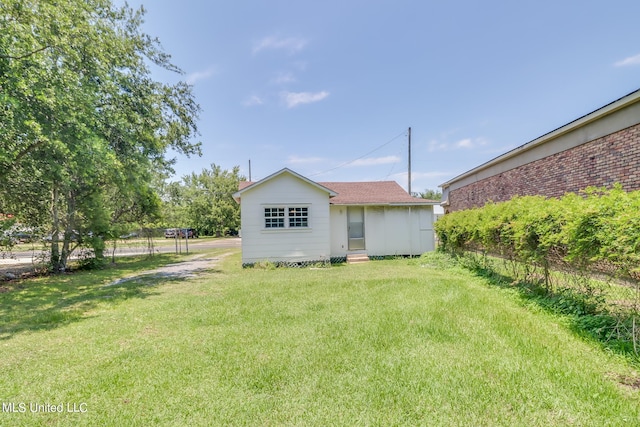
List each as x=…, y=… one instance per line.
x=196, y=76
x=631, y=60
x=293, y=99
x=290, y=44
x=435, y=145
x=253, y=101
x=373, y=161
x=304, y=160
x=466, y=143
x=283, y=78
x=402, y=176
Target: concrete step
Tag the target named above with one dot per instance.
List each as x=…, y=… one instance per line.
x=357, y=258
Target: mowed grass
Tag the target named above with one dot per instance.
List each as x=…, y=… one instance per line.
x=385, y=343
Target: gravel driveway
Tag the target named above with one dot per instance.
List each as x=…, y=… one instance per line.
x=180, y=270
x=22, y=263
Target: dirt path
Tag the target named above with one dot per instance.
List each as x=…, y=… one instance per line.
x=9, y=272
x=180, y=270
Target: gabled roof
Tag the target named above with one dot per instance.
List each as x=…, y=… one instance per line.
x=372, y=193
x=246, y=186
x=350, y=193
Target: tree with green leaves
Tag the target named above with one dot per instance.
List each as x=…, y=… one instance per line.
x=83, y=125
x=204, y=201
x=431, y=194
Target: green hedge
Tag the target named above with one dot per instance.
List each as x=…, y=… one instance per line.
x=596, y=229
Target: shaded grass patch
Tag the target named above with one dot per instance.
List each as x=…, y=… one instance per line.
x=54, y=300
x=589, y=313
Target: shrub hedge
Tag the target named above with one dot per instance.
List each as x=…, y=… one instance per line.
x=594, y=230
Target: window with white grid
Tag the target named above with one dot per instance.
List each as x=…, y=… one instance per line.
x=298, y=217
x=274, y=217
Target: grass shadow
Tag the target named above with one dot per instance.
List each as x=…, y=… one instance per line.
x=49, y=302
x=585, y=314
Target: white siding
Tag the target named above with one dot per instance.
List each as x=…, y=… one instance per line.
x=399, y=230
x=427, y=235
x=389, y=230
x=288, y=244
x=339, y=240
x=377, y=239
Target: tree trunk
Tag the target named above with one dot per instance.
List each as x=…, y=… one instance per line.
x=113, y=252
x=69, y=231
x=55, y=230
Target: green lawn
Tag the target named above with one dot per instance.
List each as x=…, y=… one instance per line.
x=394, y=342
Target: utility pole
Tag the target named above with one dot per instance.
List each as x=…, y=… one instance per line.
x=409, y=185
x=249, y=170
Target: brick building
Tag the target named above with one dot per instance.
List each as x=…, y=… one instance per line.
x=598, y=149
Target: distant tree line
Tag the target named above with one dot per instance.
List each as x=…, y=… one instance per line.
x=430, y=194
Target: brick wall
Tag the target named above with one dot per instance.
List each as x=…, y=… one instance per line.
x=601, y=162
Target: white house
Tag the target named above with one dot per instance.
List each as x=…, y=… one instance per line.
x=287, y=217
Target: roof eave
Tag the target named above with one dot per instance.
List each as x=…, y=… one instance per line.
x=238, y=194
x=415, y=204
x=429, y=203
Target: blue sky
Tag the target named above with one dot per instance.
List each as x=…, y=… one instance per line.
x=328, y=88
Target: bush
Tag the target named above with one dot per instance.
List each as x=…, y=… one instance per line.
x=598, y=229
x=264, y=265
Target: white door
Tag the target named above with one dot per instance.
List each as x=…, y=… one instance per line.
x=355, y=222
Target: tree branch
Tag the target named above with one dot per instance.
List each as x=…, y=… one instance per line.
x=29, y=149
x=26, y=55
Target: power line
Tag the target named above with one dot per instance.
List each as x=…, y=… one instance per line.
x=403, y=133
x=393, y=165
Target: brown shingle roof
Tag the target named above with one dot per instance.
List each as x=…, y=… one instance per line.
x=371, y=193
x=244, y=184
